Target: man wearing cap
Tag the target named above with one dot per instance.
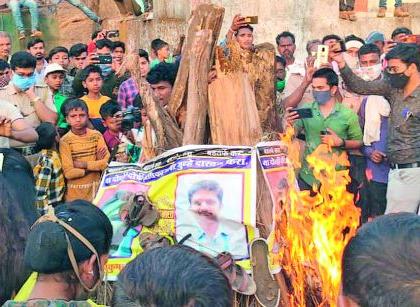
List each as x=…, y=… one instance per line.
x=31, y=100
x=67, y=251
x=400, y=33
x=378, y=39
x=54, y=79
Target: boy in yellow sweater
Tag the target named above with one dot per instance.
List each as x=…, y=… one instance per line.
x=84, y=154
x=92, y=80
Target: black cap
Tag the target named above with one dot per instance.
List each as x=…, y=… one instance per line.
x=46, y=247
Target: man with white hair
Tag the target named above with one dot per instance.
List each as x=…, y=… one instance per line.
x=5, y=46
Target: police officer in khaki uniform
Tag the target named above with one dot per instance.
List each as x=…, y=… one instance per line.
x=31, y=100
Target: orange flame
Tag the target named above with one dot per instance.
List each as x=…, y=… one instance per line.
x=312, y=231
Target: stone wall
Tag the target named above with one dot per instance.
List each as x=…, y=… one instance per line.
x=66, y=25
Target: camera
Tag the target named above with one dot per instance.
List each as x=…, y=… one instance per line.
x=132, y=115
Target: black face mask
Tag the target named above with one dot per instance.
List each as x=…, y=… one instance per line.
x=397, y=80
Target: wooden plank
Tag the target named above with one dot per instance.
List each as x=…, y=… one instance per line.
x=233, y=113
x=168, y=134
x=197, y=104
x=206, y=16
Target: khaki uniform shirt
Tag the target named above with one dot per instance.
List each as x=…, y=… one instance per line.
x=21, y=101
x=11, y=112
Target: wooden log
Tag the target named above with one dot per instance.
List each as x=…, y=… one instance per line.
x=197, y=104
x=168, y=134
x=205, y=16
x=263, y=73
x=232, y=111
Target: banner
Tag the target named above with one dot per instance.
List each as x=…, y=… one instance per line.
x=274, y=163
x=205, y=194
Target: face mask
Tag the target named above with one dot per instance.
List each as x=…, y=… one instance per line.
x=322, y=97
x=371, y=73
x=23, y=83
x=396, y=80
x=280, y=84
x=106, y=69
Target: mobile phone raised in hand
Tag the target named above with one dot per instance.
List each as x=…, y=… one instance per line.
x=303, y=112
x=252, y=20
x=322, y=56
x=104, y=59
x=113, y=33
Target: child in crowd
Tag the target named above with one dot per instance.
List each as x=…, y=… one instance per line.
x=60, y=55
x=5, y=73
x=49, y=178
x=54, y=78
x=115, y=136
x=128, y=90
x=161, y=52
x=112, y=117
x=83, y=152
x=92, y=81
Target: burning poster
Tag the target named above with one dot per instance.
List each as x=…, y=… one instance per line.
x=205, y=194
x=309, y=231
x=275, y=166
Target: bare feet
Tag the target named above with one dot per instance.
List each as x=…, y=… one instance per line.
x=399, y=12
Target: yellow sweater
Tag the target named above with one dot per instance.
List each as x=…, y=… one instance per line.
x=94, y=105
x=82, y=183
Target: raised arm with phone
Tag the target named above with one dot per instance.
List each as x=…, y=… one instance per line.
x=401, y=87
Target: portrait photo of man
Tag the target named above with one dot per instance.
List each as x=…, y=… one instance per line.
x=211, y=231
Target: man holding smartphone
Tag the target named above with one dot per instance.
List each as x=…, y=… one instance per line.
x=103, y=58
x=401, y=87
x=331, y=123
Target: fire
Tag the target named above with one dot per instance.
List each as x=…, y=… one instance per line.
x=310, y=232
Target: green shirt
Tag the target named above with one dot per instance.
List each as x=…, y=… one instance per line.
x=343, y=121
x=59, y=100
x=156, y=61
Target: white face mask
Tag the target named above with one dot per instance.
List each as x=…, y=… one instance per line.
x=370, y=73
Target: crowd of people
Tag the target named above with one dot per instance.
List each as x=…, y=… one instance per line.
x=63, y=118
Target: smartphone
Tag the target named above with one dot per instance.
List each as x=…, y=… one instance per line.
x=322, y=56
x=113, y=33
x=303, y=112
x=104, y=59
x=253, y=20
